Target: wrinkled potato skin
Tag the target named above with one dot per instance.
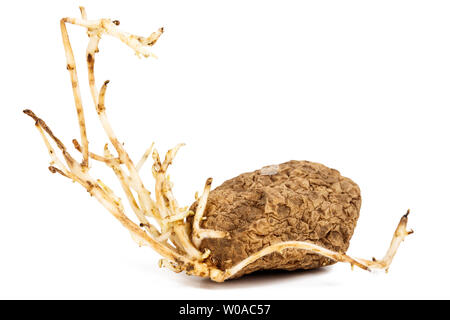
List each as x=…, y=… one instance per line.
x=304, y=201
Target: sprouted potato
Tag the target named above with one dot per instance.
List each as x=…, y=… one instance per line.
x=296, y=215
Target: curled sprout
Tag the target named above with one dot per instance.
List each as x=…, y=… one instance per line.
x=174, y=238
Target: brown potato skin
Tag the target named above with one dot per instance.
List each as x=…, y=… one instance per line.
x=304, y=201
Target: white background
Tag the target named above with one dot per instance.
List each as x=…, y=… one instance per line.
x=360, y=86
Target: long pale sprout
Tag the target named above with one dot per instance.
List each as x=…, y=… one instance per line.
x=174, y=238
x=144, y=232
x=71, y=66
x=399, y=236
x=163, y=195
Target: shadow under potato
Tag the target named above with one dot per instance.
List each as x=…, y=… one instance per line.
x=257, y=278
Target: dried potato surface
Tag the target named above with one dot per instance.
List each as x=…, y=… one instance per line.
x=296, y=200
